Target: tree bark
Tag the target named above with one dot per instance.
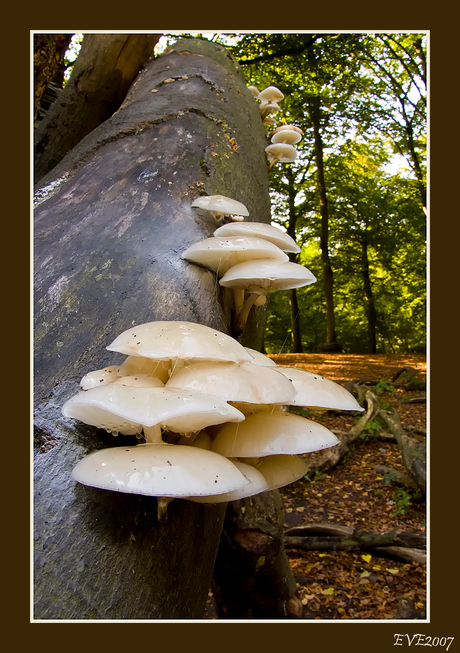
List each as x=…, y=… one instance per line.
x=103, y=72
x=111, y=222
x=328, y=276
x=370, y=305
x=252, y=577
x=296, y=333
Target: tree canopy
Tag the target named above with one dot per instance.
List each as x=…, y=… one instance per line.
x=355, y=198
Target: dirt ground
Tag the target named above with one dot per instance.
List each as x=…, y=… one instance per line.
x=359, y=584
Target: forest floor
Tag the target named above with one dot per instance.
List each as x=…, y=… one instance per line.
x=358, y=584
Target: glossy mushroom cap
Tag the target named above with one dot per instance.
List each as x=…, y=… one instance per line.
x=286, y=136
x=128, y=410
x=162, y=470
x=263, y=276
x=163, y=340
x=222, y=253
x=267, y=433
x=257, y=483
x=99, y=377
x=219, y=205
x=283, y=152
x=315, y=391
x=245, y=382
x=261, y=230
x=280, y=470
x=271, y=94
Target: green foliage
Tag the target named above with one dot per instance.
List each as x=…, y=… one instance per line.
x=366, y=94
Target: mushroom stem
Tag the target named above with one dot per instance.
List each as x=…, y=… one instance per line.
x=275, y=160
x=153, y=434
x=243, y=315
x=238, y=299
x=163, y=503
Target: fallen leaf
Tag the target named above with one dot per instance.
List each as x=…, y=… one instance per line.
x=366, y=557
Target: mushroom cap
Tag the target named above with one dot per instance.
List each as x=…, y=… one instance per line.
x=139, y=381
x=99, y=377
x=291, y=127
x=286, y=136
x=268, y=107
x=134, y=365
x=163, y=470
x=283, y=152
x=245, y=382
x=268, y=275
x=268, y=433
x=220, y=204
x=168, y=341
x=280, y=470
x=254, y=90
x=220, y=254
x=127, y=409
x=315, y=391
x=261, y=359
x=256, y=484
x=271, y=94
x=261, y=230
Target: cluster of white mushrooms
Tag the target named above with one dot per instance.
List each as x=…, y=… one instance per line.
x=284, y=137
x=249, y=257
x=212, y=413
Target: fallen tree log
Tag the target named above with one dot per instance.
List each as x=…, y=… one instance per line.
x=413, y=451
x=336, y=537
x=111, y=222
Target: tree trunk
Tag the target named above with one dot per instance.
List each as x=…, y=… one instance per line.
x=295, y=322
x=370, y=304
x=111, y=222
x=328, y=277
x=252, y=576
x=296, y=333
x=104, y=70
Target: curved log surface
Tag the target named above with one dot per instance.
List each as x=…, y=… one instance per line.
x=111, y=221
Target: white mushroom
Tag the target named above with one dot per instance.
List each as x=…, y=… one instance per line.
x=220, y=206
x=315, y=391
x=271, y=94
x=169, y=341
x=99, y=377
x=163, y=470
x=280, y=152
x=290, y=136
x=267, y=108
x=128, y=410
x=261, y=230
x=254, y=91
x=220, y=254
x=280, y=470
x=260, y=277
x=139, y=381
x=134, y=365
x=267, y=433
x=261, y=359
x=241, y=382
x=257, y=483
